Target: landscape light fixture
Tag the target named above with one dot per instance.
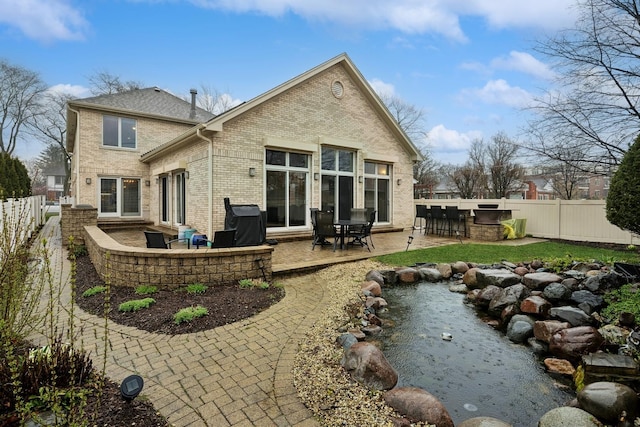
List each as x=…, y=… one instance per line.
x=131, y=387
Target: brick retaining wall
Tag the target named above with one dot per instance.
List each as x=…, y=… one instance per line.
x=122, y=265
x=73, y=220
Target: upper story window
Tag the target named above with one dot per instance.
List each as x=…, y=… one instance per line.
x=118, y=132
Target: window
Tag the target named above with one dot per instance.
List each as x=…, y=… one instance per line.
x=118, y=132
x=377, y=194
x=119, y=197
x=59, y=180
x=287, y=188
x=337, y=181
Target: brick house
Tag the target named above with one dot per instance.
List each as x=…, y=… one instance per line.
x=320, y=140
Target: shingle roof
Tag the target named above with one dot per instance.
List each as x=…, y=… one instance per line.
x=152, y=101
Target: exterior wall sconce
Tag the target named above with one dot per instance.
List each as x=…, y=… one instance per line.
x=147, y=183
x=87, y=181
x=360, y=179
x=316, y=176
x=186, y=174
x=399, y=181
x=157, y=180
x=252, y=171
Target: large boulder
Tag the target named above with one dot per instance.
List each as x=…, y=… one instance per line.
x=445, y=270
x=408, y=275
x=459, y=267
x=587, y=297
x=485, y=295
x=376, y=276
x=511, y=295
x=607, y=400
x=430, y=274
x=366, y=364
x=544, y=329
x=520, y=328
x=567, y=416
x=535, y=281
x=372, y=287
x=535, y=305
x=418, y=405
x=572, y=343
x=556, y=292
x=573, y=315
x=470, y=278
x=498, y=277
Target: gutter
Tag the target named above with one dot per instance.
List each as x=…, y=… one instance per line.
x=209, y=181
x=76, y=152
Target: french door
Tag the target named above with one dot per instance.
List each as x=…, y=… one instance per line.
x=119, y=197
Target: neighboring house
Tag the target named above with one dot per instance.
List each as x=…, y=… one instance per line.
x=320, y=140
x=55, y=183
x=539, y=188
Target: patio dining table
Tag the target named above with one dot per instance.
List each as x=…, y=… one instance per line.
x=344, y=225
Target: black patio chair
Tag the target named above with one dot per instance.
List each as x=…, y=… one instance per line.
x=363, y=236
x=454, y=215
x=155, y=240
x=439, y=220
x=421, y=213
x=325, y=230
x=224, y=238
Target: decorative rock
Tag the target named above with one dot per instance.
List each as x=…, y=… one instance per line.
x=470, y=278
x=573, y=315
x=373, y=287
x=459, y=267
x=535, y=305
x=357, y=333
x=511, y=295
x=607, y=400
x=521, y=271
x=375, y=303
x=445, y=270
x=367, y=365
x=536, y=264
x=508, y=312
x=346, y=340
x=595, y=301
x=571, y=283
x=375, y=276
x=584, y=267
x=559, y=366
x=459, y=289
x=430, y=274
x=371, y=330
x=574, y=274
x=544, y=329
x=408, y=275
x=614, y=334
x=571, y=343
x=509, y=265
x=540, y=280
x=419, y=405
x=568, y=416
x=484, y=422
x=497, y=277
x=520, y=328
x=556, y=292
x=487, y=294
x=627, y=319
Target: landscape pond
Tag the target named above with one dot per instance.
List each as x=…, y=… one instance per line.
x=475, y=371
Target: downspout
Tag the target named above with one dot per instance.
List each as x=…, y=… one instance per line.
x=209, y=181
x=76, y=154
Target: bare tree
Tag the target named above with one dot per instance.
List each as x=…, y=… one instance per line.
x=214, y=101
x=593, y=109
x=20, y=93
x=426, y=173
x=468, y=180
x=504, y=173
x=51, y=128
x=105, y=83
x=409, y=117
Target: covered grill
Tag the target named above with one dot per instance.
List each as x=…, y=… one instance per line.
x=248, y=221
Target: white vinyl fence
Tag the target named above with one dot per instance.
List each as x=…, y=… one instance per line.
x=19, y=219
x=579, y=220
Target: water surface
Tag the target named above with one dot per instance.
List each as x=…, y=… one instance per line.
x=478, y=373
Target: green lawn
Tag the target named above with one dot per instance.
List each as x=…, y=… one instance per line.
x=487, y=254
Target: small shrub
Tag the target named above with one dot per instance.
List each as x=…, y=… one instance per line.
x=135, y=305
x=189, y=313
x=246, y=283
x=253, y=283
x=93, y=291
x=146, y=290
x=196, y=289
x=624, y=299
x=76, y=251
x=263, y=285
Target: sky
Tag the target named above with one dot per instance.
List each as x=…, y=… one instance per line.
x=469, y=65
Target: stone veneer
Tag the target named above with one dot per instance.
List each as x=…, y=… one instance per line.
x=122, y=265
x=486, y=232
x=73, y=220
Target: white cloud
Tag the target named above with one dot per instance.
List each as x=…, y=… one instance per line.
x=382, y=89
x=44, y=20
x=412, y=16
x=523, y=62
x=497, y=92
x=451, y=146
x=76, y=91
